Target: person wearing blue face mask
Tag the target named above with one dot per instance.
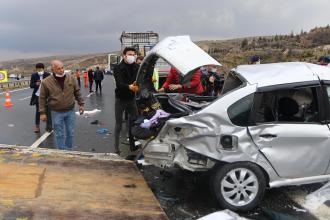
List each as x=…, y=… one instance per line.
x=36, y=79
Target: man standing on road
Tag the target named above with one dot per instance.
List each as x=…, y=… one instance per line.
x=90, y=79
x=78, y=77
x=61, y=91
x=125, y=75
x=35, y=81
x=98, y=76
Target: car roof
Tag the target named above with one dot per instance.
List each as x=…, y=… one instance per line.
x=282, y=73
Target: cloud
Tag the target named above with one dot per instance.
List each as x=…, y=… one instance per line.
x=73, y=26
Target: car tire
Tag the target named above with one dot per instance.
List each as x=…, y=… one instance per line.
x=239, y=186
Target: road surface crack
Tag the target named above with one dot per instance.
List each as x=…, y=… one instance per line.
x=40, y=183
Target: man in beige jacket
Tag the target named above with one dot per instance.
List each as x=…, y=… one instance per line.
x=61, y=90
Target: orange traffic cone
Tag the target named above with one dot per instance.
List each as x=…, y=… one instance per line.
x=8, y=102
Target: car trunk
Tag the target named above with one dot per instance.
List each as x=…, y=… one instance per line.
x=181, y=53
x=175, y=105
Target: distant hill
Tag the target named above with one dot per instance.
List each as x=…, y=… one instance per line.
x=27, y=66
x=305, y=46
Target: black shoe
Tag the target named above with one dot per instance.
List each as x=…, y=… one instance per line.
x=95, y=122
x=133, y=148
x=117, y=152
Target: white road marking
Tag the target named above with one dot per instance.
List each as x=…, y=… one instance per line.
x=41, y=139
x=25, y=98
x=89, y=94
x=16, y=90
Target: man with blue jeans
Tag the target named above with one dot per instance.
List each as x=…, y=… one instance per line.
x=61, y=91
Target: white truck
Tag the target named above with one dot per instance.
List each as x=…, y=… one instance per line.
x=143, y=42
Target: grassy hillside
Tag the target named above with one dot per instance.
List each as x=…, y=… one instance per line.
x=305, y=46
x=27, y=66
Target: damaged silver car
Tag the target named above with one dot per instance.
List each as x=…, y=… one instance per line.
x=268, y=128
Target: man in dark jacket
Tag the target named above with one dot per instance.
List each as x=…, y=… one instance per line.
x=90, y=79
x=98, y=76
x=35, y=82
x=125, y=74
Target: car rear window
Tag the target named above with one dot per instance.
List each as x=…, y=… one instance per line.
x=232, y=82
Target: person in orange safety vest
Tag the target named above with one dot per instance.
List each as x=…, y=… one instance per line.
x=86, y=79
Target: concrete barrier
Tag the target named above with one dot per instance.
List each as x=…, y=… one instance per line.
x=16, y=84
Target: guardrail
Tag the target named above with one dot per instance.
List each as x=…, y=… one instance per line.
x=16, y=84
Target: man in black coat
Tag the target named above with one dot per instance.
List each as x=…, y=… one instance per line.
x=98, y=76
x=90, y=79
x=125, y=75
x=36, y=79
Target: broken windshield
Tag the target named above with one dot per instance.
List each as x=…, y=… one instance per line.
x=232, y=82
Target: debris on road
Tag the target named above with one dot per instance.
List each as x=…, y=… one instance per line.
x=186, y=213
x=274, y=215
x=167, y=198
x=102, y=130
x=95, y=122
x=315, y=199
x=143, y=163
x=298, y=209
x=89, y=113
x=223, y=215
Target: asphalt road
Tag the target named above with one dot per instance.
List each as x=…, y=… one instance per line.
x=17, y=122
x=183, y=195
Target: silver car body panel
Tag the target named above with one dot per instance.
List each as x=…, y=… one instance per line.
x=323, y=72
x=298, y=150
x=299, y=181
x=201, y=133
x=182, y=53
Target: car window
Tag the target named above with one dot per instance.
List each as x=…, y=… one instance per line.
x=328, y=91
x=239, y=112
x=232, y=82
x=288, y=105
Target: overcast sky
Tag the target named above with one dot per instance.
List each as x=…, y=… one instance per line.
x=34, y=28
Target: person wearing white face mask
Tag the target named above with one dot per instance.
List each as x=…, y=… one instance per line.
x=36, y=79
x=125, y=75
x=61, y=90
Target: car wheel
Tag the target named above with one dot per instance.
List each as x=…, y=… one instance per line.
x=239, y=186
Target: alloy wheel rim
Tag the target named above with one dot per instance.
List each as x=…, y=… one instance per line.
x=239, y=187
